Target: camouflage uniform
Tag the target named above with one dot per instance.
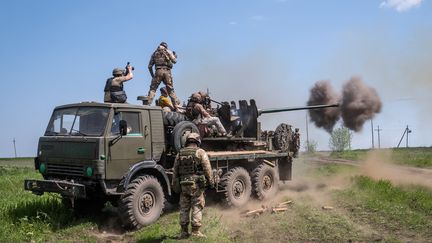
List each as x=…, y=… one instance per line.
x=199, y=115
x=163, y=60
x=192, y=170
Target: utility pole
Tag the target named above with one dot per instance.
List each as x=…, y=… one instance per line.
x=379, y=140
x=408, y=131
x=14, y=147
x=307, y=133
x=372, y=129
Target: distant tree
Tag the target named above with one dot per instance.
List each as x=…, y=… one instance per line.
x=340, y=139
x=311, y=147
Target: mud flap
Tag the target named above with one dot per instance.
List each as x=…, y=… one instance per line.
x=285, y=168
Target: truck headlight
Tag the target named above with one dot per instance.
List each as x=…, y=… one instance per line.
x=89, y=171
x=42, y=168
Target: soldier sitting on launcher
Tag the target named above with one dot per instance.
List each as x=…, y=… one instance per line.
x=199, y=115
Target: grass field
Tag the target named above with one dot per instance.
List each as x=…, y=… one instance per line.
x=362, y=209
x=418, y=157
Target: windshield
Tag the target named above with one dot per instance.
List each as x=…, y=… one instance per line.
x=78, y=121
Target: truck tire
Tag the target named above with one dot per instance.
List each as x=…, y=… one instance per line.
x=142, y=202
x=282, y=137
x=238, y=187
x=265, y=181
x=172, y=118
x=180, y=132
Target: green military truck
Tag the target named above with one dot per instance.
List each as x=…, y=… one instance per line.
x=93, y=153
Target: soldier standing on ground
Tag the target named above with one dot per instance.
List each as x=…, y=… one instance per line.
x=163, y=59
x=192, y=173
x=114, y=91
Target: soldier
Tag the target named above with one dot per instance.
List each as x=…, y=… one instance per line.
x=199, y=115
x=296, y=142
x=192, y=173
x=114, y=92
x=163, y=60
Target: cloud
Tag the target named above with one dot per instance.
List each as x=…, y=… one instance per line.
x=400, y=5
x=233, y=23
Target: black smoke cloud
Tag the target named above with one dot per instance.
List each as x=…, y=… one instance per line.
x=358, y=103
x=323, y=93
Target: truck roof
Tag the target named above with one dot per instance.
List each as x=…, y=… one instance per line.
x=109, y=105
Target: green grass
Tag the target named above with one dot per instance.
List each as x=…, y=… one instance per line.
x=418, y=157
x=358, y=154
x=167, y=229
x=400, y=211
x=26, y=217
x=18, y=162
x=333, y=169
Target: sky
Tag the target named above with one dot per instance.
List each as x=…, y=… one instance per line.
x=59, y=52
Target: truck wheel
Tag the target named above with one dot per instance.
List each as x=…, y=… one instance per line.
x=180, y=132
x=282, y=137
x=238, y=187
x=172, y=118
x=142, y=202
x=265, y=181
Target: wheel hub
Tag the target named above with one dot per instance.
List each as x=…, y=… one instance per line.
x=267, y=182
x=146, y=203
x=238, y=188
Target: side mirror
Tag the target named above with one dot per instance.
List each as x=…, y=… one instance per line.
x=123, y=127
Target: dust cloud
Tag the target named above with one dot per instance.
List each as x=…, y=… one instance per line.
x=378, y=165
x=359, y=104
x=323, y=93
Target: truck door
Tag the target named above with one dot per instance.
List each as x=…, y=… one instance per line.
x=125, y=151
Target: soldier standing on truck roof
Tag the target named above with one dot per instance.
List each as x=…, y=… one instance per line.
x=163, y=59
x=199, y=115
x=114, y=91
x=192, y=173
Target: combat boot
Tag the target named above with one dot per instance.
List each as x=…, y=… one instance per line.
x=184, y=232
x=197, y=233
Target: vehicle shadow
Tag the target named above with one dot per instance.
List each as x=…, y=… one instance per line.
x=51, y=211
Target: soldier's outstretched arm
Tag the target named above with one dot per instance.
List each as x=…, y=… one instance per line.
x=129, y=76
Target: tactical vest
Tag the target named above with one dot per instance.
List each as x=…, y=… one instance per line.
x=160, y=60
x=189, y=164
x=108, y=85
x=118, y=95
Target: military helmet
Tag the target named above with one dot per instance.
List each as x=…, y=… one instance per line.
x=164, y=44
x=194, y=137
x=196, y=97
x=117, y=72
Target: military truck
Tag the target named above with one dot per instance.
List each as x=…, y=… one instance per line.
x=93, y=153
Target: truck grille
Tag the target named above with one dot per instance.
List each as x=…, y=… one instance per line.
x=65, y=169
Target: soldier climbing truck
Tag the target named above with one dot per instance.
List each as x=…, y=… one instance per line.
x=93, y=153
